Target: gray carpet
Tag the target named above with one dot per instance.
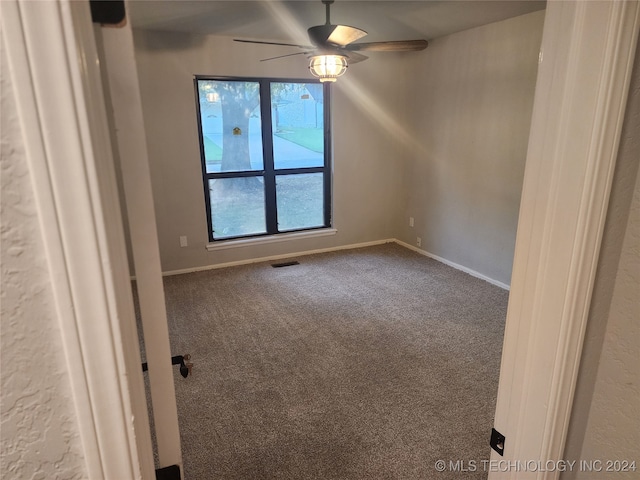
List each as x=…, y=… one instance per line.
x=370, y=363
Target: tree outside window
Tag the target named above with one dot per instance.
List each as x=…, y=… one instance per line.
x=265, y=165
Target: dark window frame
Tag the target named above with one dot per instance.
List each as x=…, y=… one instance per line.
x=269, y=172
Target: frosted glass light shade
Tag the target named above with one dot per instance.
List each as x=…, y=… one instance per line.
x=328, y=67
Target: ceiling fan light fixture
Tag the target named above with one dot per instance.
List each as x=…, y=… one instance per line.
x=328, y=67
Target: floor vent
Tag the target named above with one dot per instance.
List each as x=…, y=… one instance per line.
x=284, y=264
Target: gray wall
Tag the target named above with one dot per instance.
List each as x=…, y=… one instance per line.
x=366, y=169
x=471, y=114
x=439, y=135
x=605, y=420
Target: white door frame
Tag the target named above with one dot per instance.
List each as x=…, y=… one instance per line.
x=587, y=55
x=60, y=102
x=562, y=214
x=120, y=70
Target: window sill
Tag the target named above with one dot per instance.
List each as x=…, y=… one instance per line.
x=284, y=237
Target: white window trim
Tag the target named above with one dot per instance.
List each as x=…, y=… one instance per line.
x=281, y=237
x=272, y=172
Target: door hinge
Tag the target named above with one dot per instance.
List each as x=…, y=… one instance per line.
x=168, y=473
x=497, y=441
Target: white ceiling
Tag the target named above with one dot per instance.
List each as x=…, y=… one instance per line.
x=288, y=20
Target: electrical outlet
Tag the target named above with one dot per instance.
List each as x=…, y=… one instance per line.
x=183, y=241
x=419, y=241
x=411, y=221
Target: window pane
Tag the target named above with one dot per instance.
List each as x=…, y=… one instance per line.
x=300, y=200
x=237, y=206
x=231, y=125
x=297, y=119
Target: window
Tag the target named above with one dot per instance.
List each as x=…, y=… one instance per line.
x=265, y=155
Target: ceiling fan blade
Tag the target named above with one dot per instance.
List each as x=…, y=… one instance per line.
x=272, y=43
x=334, y=35
x=392, y=46
x=356, y=57
x=283, y=56
x=344, y=35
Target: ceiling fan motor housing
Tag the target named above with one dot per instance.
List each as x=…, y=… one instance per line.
x=336, y=43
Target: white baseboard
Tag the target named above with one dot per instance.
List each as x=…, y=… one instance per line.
x=275, y=257
x=471, y=272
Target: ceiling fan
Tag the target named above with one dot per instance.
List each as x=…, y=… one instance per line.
x=332, y=47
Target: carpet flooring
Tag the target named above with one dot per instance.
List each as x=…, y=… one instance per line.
x=370, y=363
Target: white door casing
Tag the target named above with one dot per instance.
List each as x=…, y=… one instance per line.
x=59, y=97
x=121, y=71
x=586, y=60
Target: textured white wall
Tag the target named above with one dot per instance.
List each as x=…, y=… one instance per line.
x=38, y=430
x=613, y=425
